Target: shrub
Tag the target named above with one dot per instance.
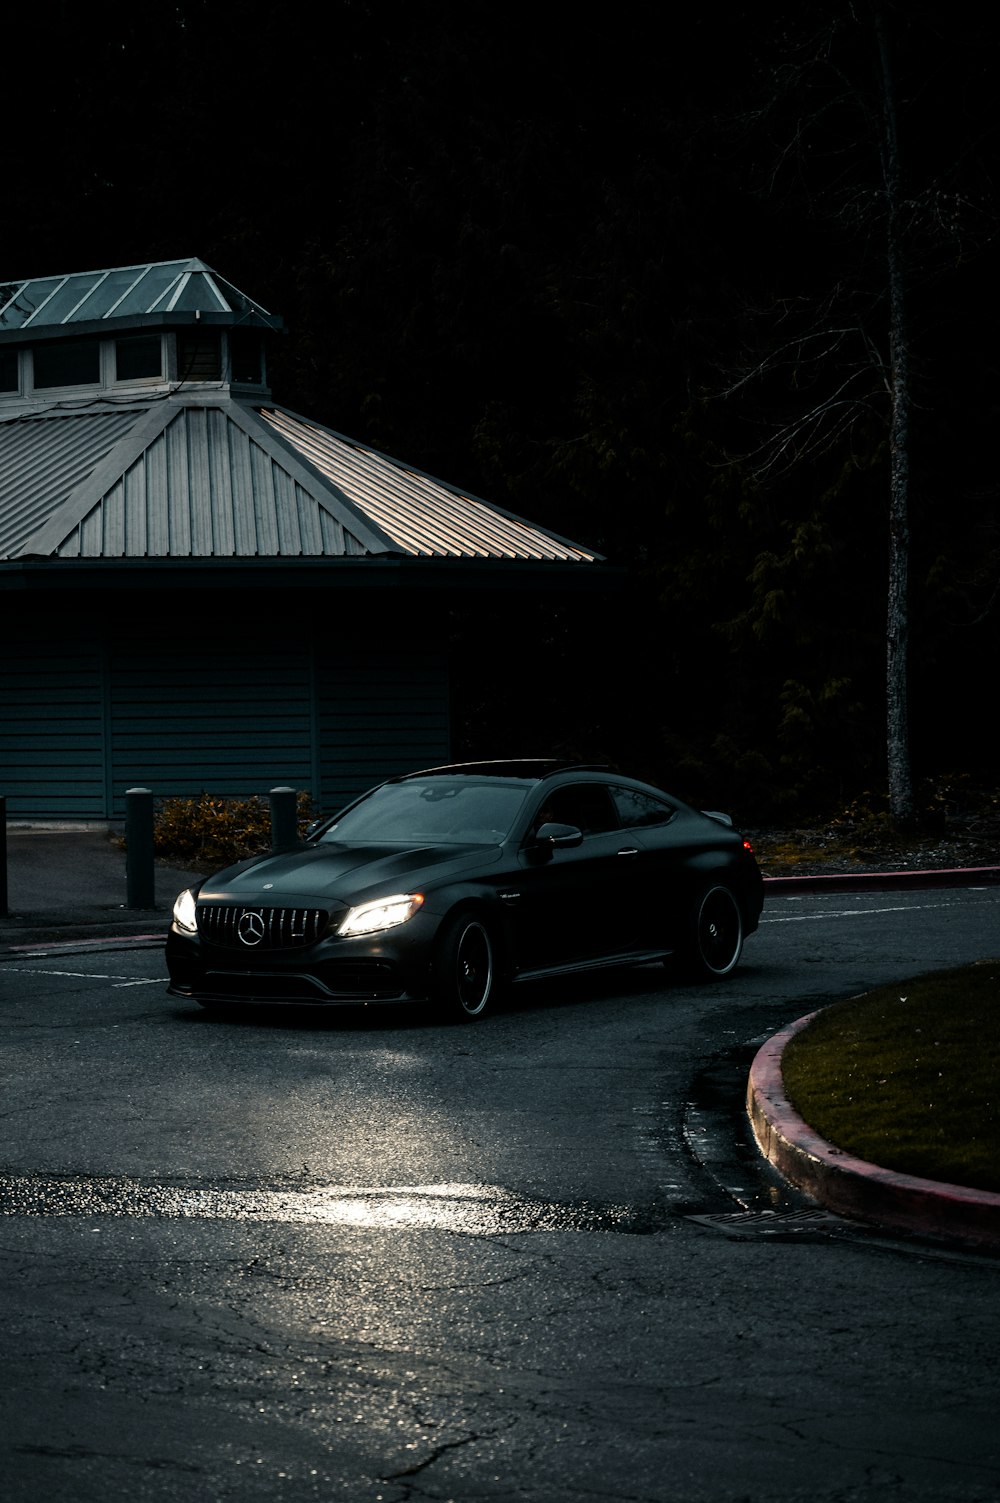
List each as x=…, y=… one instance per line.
x=209, y=832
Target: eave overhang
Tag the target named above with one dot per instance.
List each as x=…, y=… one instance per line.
x=394, y=572
x=76, y=302
x=100, y=328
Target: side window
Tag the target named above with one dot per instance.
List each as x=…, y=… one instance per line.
x=138, y=358
x=588, y=806
x=636, y=809
x=8, y=370
x=246, y=358
x=75, y=362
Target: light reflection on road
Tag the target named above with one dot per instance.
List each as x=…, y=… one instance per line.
x=477, y=1210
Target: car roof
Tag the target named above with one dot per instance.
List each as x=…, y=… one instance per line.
x=529, y=769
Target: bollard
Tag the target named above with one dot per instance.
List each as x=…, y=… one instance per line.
x=284, y=820
x=140, y=882
x=3, y=855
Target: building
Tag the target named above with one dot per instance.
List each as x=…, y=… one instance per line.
x=201, y=590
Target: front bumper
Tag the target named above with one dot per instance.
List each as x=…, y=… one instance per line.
x=386, y=967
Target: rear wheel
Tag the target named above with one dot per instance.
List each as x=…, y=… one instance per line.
x=465, y=977
x=715, y=942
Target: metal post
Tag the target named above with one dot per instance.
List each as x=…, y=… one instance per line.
x=140, y=881
x=284, y=820
x=3, y=855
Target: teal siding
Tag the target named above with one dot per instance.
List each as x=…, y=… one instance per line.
x=85, y=716
x=199, y=721
x=52, y=728
x=380, y=713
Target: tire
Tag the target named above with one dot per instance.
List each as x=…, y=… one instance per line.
x=714, y=944
x=465, y=970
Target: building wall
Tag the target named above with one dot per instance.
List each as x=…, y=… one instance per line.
x=102, y=698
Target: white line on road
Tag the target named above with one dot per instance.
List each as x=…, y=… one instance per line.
x=116, y=981
x=800, y=918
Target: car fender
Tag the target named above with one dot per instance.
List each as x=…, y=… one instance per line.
x=488, y=904
x=727, y=868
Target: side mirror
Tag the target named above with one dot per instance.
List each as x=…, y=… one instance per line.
x=552, y=837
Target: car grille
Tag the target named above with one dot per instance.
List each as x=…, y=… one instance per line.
x=250, y=928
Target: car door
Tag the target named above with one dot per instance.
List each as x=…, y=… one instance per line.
x=662, y=867
x=576, y=903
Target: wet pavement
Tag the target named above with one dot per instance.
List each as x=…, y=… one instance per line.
x=65, y=884
x=474, y=1210
x=69, y=886
x=373, y=1258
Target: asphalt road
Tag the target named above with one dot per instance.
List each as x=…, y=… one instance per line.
x=362, y=1256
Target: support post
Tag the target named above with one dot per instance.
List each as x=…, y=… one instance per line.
x=284, y=820
x=140, y=884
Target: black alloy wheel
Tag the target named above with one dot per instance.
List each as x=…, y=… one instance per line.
x=465, y=969
x=716, y=941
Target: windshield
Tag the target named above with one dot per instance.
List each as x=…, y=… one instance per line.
x=432, y=811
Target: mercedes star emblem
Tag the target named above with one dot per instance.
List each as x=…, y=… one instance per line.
x=251, y=926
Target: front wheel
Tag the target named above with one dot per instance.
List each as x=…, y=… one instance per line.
x=715, y=941
x=464, y=978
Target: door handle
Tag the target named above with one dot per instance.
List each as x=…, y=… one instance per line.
x=629, y=850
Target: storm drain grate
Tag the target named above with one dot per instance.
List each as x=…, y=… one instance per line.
x=770, y=1223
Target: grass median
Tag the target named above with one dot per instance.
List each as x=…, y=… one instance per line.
x=908, y=1076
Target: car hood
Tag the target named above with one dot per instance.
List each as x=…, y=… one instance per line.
x=316, y=875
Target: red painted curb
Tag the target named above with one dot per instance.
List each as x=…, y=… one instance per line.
x=850, y=1186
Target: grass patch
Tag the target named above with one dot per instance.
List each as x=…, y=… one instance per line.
x=908, y=1076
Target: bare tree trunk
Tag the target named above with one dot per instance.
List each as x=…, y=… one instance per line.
x=902, y=803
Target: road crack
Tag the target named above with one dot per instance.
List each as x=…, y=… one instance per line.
x=442, y=1450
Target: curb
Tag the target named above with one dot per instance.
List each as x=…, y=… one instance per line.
x=49, y=931
x=849, y=1186
x=47, y=944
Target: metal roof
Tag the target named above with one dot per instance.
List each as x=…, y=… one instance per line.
x=42, y=463
x=194, y=472
x=124, y=293
x=418, y=514
x=215, y=477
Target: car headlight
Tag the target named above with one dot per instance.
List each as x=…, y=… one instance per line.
x=186, y=912
x=383, y=913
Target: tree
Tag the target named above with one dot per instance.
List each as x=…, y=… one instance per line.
x=834, y=373
x=898, y=763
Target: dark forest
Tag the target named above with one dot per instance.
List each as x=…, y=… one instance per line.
x=665, y=286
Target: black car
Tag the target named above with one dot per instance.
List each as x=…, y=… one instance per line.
x=446, y=885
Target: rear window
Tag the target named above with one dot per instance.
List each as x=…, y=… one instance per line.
x=635, y=808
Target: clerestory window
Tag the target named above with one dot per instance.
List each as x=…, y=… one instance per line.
x=8, y=370
x=139, y=359
x=73, y=362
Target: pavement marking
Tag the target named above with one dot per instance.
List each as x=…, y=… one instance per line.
x=117, y=984
x=31, y=970
x=804, y=918
x=34, y=970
